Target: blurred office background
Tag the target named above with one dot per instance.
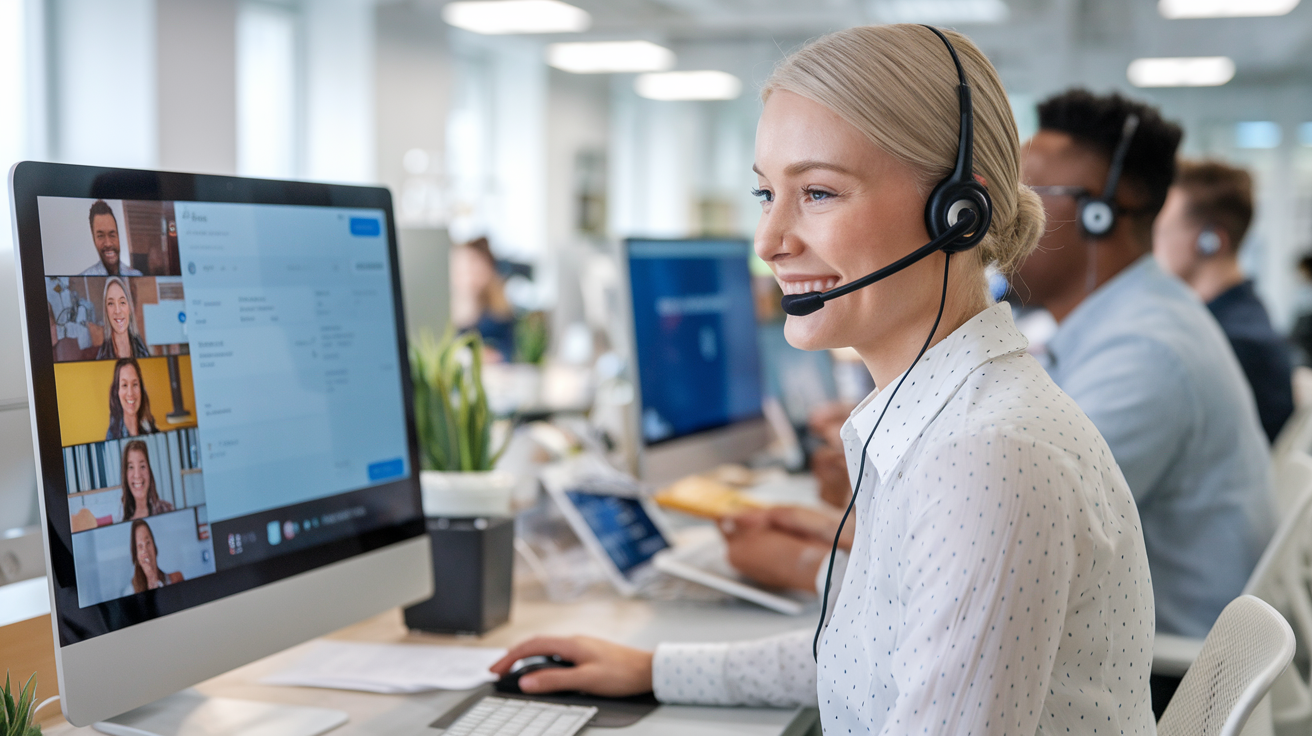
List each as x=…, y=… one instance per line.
x=491, y=128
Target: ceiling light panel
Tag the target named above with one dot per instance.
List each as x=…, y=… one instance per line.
x=938, y=12
x=703, y=85
x=1223, y=8
x=610, y=56
x=1196, y=71
x=500, y=17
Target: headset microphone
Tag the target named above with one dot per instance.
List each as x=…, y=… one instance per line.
x=957, y=213
x=802, y=304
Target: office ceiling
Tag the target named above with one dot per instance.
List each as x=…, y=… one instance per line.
x=1037, y=38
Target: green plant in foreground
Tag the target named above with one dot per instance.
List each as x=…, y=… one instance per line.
x=16, y=715
x=451, y=414
x=531, y=338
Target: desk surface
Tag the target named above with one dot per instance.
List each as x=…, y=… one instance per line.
x=638, y=623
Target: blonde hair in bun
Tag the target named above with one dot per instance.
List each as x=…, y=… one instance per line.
x=897, y=85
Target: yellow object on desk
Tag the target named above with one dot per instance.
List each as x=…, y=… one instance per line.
x=709, y=499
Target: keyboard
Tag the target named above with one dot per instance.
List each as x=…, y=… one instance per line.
x=493, y=716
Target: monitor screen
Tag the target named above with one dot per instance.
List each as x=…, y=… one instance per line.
x=695, y=335
x=229, y=395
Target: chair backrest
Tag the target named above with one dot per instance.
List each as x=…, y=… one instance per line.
x=1247, y=649
x=1291, y=475
x=1287, y=542
x=1296, y=434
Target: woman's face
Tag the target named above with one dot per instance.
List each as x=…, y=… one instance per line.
x=129, y=390
x=145, y=550
x=117, y=311
x=137, y=475
x=835, y=207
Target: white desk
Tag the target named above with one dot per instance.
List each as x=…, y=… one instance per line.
x=639, y=623
x=633, y=622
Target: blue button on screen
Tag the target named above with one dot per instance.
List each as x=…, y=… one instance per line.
x=366, y=227
x=384, y=469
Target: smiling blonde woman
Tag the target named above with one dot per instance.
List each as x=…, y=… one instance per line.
x=997, y=581
x=121, y=337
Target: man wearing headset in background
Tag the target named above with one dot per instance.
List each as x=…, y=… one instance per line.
x=1143, y=358
x=1197, y=237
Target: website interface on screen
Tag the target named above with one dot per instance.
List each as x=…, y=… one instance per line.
x=228, y=384
x=695, y=332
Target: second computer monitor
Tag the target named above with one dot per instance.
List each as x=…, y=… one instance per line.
x=696, y=354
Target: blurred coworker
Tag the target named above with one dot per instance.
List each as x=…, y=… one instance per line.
x=1197, y=237
x=478, y=299
x=104, y=235
x=1143, y=358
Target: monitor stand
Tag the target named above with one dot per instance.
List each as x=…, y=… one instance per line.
x=189, y=713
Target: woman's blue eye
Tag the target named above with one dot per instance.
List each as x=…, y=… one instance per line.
x=817, y=195
x=763, y=194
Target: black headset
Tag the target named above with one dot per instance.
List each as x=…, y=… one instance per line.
x=949, y=230
x=957, y=216
x=1097, y=215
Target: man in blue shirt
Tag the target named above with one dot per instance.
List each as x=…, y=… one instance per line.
x=1143, y=358
x=1197, y=237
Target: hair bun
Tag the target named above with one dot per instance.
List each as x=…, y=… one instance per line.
x=1011, y=243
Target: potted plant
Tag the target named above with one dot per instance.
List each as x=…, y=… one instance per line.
x=455, y=429
x=16, y=714
x=467, y=502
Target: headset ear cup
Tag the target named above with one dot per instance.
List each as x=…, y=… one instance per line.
x=1209, y=242
x=1097, y=218
x=945, y=204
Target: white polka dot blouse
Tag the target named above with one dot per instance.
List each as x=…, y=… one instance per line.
x=998, y=582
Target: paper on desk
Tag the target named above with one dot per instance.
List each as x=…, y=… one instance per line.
x=389, y=668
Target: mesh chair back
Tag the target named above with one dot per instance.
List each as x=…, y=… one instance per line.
x=1248, y=647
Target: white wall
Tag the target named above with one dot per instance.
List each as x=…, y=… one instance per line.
x=105, y=101
x=197, y=85
x=339, y=90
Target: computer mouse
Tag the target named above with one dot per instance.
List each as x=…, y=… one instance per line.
x=509, y=683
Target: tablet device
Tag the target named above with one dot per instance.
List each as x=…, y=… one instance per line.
x=624, y=531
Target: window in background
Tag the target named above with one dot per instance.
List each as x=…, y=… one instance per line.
x=1257, y=134
x=266, y=91
x=13, y=109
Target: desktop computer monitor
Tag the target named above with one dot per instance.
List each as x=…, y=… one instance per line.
x=222, y=412
x=695, y=354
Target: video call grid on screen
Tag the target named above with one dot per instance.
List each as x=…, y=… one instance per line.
x=695, y=335
x=219, y=370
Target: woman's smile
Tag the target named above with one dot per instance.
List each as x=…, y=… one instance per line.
x=793, y=285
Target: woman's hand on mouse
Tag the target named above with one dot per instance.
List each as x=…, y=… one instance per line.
x=600, y=667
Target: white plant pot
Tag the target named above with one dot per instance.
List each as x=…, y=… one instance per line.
x=452, y=494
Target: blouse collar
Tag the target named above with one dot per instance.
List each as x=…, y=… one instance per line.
x=941, y=371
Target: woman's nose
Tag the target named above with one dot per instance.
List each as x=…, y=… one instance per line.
x=775, y=236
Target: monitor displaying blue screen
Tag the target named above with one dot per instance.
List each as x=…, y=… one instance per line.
x=622, y=525
x=695, y=335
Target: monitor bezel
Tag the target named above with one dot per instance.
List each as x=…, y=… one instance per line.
x=30, y=180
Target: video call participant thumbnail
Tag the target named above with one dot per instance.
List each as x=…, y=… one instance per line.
x=146, y=574
x=104, y=235
x=129, y=404
x=122, y=338
x=140, y=496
